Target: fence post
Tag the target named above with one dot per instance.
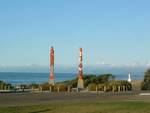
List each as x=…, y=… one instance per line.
x=118, y=88
x=58, y=89
x=96, y=88
x=50, y=88
x=5, y=87
x=68, y=89
x=105, y=88
x=77, y=89
x=32, y=89
x=123, y=88
x=113, y=89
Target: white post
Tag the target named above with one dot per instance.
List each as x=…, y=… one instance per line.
x=113, y=89
x=68, y=89
x=129, y=77
x=96, y=88
x=77, y=89
x=119, y=88
x=58, y=89
x=50, y=88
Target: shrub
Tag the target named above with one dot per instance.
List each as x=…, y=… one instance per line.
x=61, y=87
x=74, y=83
x=5, y=86
x=105, y=78
x=88, y=79
x=114, y=85
x=101, y=87
x=146, y=81
x=33, y=85
x=92, y=87
x=46, y=87
x=121, y=83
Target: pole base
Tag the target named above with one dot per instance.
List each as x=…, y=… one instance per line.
x=80, y=84
x=51, y=82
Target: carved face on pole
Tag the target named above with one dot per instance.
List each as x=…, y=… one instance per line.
x=80, y=65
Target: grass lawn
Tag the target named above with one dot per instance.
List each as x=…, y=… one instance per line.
x=82, y=107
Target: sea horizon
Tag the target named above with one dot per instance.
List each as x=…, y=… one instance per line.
x=16, y=78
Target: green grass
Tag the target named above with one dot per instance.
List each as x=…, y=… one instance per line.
x=82, y=107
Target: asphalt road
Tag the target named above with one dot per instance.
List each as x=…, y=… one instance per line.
x=23, y=99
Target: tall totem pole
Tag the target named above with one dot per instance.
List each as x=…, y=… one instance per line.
x=80, y=79
x=52, y=78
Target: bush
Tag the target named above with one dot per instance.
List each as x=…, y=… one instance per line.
x=86, y=82
x=101, y=87
x=72, y=83
x=5, y=86
x=61, y=87
x=92, y=87
x=121, y=83
x=114, y=85
x=104, y=78
x=45, y=87
x=88, y=79
x=33, y=85
x=146, y=82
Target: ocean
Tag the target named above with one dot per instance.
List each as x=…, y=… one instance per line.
x=28, y=78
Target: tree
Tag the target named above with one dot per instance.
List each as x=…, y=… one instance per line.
x=105, y=78
x=146, y=81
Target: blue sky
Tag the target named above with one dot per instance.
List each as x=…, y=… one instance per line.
x=110, y=32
